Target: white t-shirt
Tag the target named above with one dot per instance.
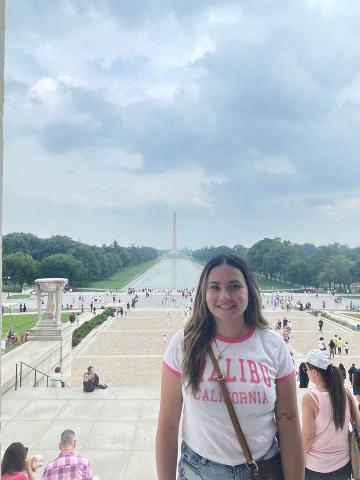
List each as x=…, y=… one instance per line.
x=252, y=366
x=56, y=379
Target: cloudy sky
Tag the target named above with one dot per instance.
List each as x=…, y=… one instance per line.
x=242, y=115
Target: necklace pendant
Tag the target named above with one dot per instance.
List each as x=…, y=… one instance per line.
x=220, y=356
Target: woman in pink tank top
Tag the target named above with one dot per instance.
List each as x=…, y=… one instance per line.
x=325, y=421
x=15, y=465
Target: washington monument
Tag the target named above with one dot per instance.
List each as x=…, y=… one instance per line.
x=174, y=242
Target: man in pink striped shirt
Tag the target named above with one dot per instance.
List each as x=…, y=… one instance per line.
x=68, y=466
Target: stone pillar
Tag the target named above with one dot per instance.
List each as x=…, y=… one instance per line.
x=49, y=326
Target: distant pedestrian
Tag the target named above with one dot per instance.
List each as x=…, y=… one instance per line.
x=289, y=327
x=356, y=385
x=56, y=379
x=94, y=311
x=339, y=345
x=77, y=319
x=332, y=348
x=286, y=335
x=24, y=308
x=351, y=372
x=346, y=346
x=91, y=381
x=164, y=338
x=342, y=370
x=321, y=323
x=303, y=376
x=322, y=345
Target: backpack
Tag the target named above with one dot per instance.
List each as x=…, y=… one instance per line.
x=332, y=344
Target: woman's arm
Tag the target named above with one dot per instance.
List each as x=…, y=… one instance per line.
x=288, y=427
x=30, y=467
x=355, y=407
x=308, y=420
x=168, y=426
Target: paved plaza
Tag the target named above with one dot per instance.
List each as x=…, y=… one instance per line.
x=116, y=427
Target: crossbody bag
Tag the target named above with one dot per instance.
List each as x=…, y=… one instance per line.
x=270, y=469
x=354, y=439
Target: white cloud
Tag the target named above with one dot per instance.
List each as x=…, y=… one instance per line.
x=342, y=209
x=277, y=166
x=327, y=7
x=97, y=179
x=240, y=88
x=350, y=95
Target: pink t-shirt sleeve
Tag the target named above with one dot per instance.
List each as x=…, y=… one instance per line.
x=172, y=358
x=285, y=365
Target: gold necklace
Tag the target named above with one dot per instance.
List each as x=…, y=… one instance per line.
x=220, y=355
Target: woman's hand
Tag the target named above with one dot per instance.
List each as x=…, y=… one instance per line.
x=30, y=464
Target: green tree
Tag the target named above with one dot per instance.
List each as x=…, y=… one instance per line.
x=15, y=242
x=64, y=266
x=298, y=271
x=338, y=270
x=241, y=251
x=87, y=255
x=21, y=268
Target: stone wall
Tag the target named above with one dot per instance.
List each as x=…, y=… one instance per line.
x=44, y=355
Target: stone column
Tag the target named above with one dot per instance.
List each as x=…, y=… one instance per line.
x=49, y=326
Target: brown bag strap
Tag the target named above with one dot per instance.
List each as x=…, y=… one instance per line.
x=234, y=420
x=352, y=411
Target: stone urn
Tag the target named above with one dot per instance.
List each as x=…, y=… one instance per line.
x=49, y=326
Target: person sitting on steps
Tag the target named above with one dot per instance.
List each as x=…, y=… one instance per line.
x=91, y=381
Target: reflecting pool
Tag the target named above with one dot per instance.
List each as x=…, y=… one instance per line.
x=171, y=273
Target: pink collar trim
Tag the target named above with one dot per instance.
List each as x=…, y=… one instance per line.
x=237, y=339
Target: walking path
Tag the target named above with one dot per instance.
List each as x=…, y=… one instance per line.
x=116, y=427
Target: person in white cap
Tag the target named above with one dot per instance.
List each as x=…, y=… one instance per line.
x=325, y=421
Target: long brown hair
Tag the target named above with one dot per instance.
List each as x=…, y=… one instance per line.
x=334, y=384
x=200, y=329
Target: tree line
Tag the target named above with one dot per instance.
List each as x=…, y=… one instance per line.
x=334, y=266
x=27, y=257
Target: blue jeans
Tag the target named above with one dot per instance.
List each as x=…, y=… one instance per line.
x=344, y=473
x=195, y=467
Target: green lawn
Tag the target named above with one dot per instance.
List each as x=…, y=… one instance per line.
x=17, y=296
x=22, y=322
x=122, y=278
x=355, y=315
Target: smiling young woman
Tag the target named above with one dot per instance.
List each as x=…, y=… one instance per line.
x=257, y=370
x=227, y=300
